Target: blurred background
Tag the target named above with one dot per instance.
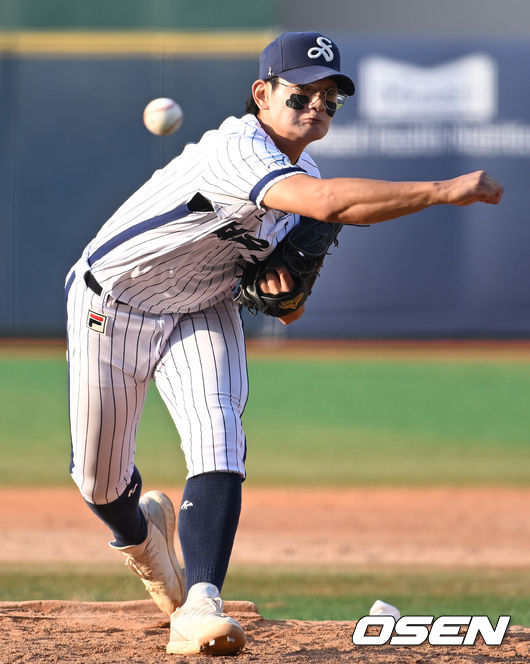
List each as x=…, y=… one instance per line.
x=442, y=89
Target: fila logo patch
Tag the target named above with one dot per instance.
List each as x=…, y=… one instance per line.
x=97, y=322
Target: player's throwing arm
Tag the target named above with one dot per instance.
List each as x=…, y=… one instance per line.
x=358, y=201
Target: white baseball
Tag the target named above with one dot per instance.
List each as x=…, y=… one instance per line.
x=162, y=116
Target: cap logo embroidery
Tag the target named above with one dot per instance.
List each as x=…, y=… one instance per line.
x=325, y=49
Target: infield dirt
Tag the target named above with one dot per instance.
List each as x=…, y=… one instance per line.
x=453, y=527
x=444, y=527
x=136, y=633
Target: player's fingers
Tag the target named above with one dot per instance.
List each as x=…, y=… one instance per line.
x=274, y=283
x=489, y=190
x=270, y=284
x=495, y=192
x=491, y=198
x=286, y=280
x=472, y=187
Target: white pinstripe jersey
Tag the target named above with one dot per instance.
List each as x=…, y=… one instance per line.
x=164, y=254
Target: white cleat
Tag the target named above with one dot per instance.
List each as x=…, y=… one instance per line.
x=200, y=626
x=154, y=560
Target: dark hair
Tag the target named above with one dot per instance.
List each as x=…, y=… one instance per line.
x=251, y=106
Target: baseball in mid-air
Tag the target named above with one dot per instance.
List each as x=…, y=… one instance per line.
x=162, y=116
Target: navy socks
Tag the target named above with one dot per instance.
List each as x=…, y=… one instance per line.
x=207, y=525
x=208, y=520
x=123, y=515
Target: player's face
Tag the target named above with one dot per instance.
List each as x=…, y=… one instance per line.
x=300, y=112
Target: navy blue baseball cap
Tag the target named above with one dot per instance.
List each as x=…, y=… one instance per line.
x=304, y=57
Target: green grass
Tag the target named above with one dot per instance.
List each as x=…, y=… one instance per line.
x=347, y=595
x=307, y=423
x=389, y=423
x=308, y=594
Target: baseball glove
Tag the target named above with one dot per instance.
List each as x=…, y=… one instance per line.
x=301, y=252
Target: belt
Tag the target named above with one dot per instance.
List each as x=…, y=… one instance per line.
x=94, y=285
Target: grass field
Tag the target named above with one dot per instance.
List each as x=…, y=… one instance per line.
x=308, y=422
x=304, y=594
x=351, y=422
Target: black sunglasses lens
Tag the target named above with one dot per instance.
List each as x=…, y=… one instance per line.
x=302, y=99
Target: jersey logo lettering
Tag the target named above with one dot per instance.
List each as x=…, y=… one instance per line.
x=326, y=49
x=186, y=504
x=239, y=235
x=97, y=322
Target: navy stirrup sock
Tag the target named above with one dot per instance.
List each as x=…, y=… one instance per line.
x=208, y=520
x=123, y=515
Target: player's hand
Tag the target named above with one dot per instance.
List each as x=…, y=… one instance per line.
x=280, y=281
x=472, y=188
x=294, y=315
x=274, y=283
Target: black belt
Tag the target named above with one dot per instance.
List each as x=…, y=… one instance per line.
x=94, y=285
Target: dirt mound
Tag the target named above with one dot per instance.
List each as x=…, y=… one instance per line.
x=136, y=633
x=343, y=527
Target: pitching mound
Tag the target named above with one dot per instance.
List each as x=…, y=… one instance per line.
x=136, y=633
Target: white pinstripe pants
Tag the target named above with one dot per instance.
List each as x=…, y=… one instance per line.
x=198, y=363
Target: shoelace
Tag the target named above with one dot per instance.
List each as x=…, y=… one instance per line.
x=205, y=606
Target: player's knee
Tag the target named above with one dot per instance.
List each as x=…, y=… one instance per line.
x=221, y=447
x=91, y=493
x=98, y=491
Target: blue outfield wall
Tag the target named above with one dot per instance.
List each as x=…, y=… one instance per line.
x=74, y=147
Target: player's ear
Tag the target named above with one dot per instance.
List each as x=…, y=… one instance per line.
x=260, y=92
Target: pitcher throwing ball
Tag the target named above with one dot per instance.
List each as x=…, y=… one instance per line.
x=152, y=298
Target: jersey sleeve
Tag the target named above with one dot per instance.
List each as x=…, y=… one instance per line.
x=309, y=166
x=244, y=166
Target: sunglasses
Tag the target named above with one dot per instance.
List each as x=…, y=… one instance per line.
x=303, y=94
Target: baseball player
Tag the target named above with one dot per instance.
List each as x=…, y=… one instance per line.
x=152, y=298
